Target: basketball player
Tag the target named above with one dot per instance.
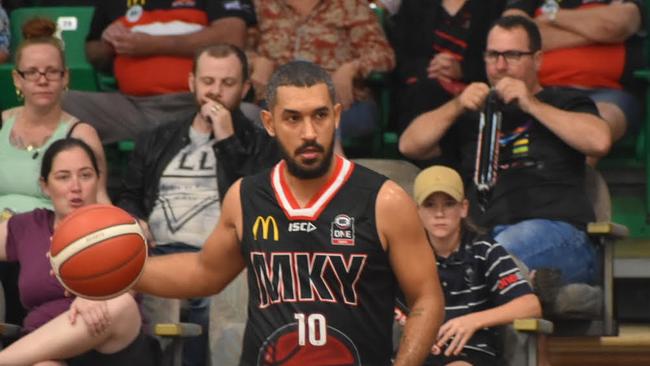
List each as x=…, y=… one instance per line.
x=325, y=243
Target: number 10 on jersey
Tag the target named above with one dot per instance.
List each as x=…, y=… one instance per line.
x=312, y=328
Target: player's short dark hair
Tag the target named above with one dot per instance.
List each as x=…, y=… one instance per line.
x=301, y=74
x=222, y=50
x=61, y=145
x=517, y=21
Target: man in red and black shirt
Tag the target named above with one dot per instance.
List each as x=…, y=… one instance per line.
x=594, y=45
x=149, y=45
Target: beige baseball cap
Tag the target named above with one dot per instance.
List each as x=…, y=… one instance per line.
x=438, y=178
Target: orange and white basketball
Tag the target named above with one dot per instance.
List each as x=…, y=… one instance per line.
x=98, y=251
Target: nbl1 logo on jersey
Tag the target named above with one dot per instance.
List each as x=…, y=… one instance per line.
x=342, y=231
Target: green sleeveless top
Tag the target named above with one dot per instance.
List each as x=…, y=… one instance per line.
x=20, y=170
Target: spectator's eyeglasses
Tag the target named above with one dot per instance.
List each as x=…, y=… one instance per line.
x=510, y=56
x=34, y=75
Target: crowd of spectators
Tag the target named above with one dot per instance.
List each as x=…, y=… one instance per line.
x=191, y=79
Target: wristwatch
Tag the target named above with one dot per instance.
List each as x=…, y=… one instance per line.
x=550, y=9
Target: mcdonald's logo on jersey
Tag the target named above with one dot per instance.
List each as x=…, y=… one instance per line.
x=266, y=223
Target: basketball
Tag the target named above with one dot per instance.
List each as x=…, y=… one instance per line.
x=98, y=251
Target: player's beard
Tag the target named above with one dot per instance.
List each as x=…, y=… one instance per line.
x=299, y=171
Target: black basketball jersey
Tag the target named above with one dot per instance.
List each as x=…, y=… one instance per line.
x=321, y=289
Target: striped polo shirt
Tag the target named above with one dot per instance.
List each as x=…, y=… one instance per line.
x=480, y=275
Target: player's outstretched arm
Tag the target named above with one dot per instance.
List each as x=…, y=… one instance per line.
x=206, y=272
x=414, y=266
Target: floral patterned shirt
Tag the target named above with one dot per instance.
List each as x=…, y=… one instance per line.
x=333, y=33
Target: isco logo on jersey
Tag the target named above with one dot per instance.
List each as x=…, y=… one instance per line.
x=305, y=226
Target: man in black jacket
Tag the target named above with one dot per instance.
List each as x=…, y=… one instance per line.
x=180, y=171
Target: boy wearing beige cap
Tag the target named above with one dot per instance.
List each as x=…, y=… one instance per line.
x=482, y=284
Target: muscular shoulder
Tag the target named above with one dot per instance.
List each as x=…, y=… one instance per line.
x=392, y=195
x=395, y=210
x=231, y=210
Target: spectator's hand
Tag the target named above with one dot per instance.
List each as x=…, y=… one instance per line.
x=343, y=79
x=94, y=313
x=261, y=70
x=457, y=332
x=134, y=44
x=514, y=90
x=151, y=242
x=114, y=30
x=219, y=117
x=445, y=67
x=473, y=97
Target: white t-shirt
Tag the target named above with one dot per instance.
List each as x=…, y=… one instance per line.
x=187, y=208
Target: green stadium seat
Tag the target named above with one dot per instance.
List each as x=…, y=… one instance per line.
x=74, y=24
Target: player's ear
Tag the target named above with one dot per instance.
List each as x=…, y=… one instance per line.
x=267, y=121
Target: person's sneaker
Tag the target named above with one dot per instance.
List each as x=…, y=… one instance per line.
x=579, y=301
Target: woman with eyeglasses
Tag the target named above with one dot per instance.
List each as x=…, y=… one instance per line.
x=482, y=284
x=40, y=79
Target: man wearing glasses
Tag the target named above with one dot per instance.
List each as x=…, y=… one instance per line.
x=538, y=209
x=577, y=32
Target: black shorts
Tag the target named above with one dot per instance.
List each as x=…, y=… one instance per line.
x=476, y=358
x=143, y=351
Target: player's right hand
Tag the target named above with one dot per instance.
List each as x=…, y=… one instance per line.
x=473, y=97
x=151, y=242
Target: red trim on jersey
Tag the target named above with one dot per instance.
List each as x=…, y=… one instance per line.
x=337, y=170
x=285, y=187
x=319, y=201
